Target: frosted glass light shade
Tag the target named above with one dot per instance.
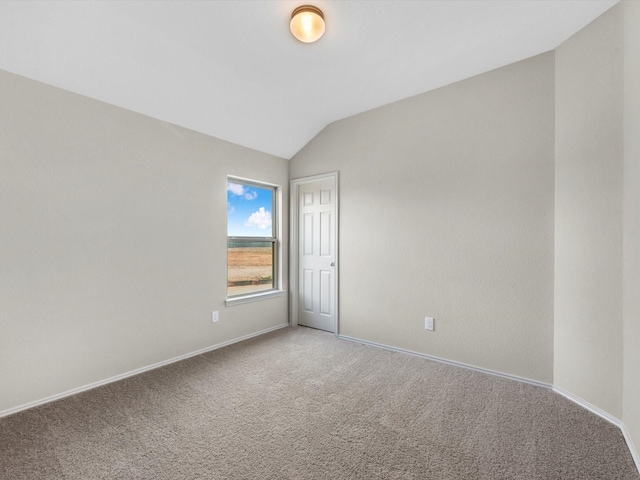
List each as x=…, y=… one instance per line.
x=307, y=23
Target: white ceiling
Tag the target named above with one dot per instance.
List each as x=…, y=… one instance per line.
x=232, y=69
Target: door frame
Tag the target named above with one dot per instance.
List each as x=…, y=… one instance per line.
x=294, y=244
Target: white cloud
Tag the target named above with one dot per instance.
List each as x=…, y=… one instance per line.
x=260, y=219
x=241, y=191
x=250, y=195
x=235, y=188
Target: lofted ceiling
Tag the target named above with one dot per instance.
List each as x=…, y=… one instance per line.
x=232, y=69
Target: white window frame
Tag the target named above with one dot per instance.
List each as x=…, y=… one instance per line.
x=276, y=291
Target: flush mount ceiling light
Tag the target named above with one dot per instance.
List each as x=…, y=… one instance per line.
x=307, y=23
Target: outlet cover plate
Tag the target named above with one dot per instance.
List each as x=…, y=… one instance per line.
x=429, y=323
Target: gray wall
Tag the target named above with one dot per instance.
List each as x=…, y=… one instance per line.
x=588, y=223
x=113, y=241
x=446, y=210
x=631, y=231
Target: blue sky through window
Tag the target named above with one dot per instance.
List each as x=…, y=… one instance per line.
x=249, y=210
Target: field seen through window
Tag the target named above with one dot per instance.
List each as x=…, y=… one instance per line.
x=250, y=269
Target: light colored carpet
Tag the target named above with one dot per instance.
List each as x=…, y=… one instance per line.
x=298, y=403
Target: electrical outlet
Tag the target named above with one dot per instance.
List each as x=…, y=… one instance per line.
x=429, y=323
x=215, y=316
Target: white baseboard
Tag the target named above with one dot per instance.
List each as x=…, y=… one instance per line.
x=607, y=416
x=592, y=408
x=449, y=362
x=115, y=378
x=584, y=404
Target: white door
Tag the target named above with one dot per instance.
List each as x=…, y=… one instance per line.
x=317, y=241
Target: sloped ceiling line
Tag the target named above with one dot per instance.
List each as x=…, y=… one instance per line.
x=232, y=70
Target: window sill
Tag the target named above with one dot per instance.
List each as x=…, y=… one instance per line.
x=253, y=297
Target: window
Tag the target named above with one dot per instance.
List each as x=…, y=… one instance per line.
x=252, y=244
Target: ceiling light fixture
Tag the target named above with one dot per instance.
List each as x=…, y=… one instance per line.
x=307, y=23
